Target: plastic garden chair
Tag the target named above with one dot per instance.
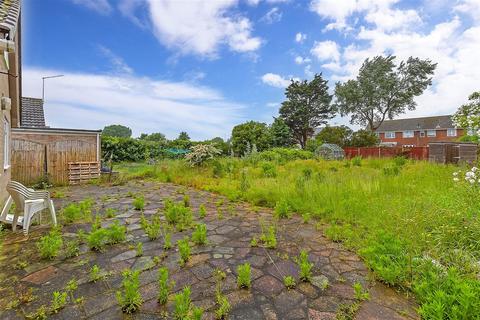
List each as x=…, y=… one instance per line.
x=28, y=202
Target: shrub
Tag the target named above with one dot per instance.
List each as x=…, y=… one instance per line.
x=282, y=209
x=129, y=297
x=184, y=249
x=305, y=266
x=289, y=282
x=357, y=161
x=50, y=244
x=202, y=211
x=199, y=235
x=202, y=153
x=179, y=215
x=164, y=286
x=116, y=233
x=269, y=170
x=244, y=276
x=99, y=238
x=139, y=202
x=400, y=161
x=59, y=301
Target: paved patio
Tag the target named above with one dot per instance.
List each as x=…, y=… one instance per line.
x=29, y=281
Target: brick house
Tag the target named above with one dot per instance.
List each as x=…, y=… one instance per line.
x=418, y=132
x=10, y=71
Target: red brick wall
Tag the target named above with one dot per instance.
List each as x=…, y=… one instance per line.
x=420, y=141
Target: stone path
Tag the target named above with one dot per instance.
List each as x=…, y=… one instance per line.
x=27, y=282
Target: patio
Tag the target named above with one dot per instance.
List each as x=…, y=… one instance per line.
x=27, y=282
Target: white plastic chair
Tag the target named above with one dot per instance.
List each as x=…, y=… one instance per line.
x=28, y=202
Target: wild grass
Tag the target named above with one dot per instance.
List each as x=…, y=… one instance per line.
x=413, y=226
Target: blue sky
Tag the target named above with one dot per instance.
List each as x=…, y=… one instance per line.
x=204, y=66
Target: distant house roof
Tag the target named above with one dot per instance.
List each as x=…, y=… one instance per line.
x=32, y=113
x=425, y=123
x=9, y=13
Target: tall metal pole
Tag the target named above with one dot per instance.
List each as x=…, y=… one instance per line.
x=43, y=84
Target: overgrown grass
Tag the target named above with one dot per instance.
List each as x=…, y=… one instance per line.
x=413, y=226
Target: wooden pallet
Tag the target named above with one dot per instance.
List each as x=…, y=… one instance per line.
x=82, y=172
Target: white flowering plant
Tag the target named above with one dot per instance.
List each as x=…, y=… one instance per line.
x=468, y=115
x=471, y=176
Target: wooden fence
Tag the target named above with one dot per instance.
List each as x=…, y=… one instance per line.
x=32, y=161
x=418, y=153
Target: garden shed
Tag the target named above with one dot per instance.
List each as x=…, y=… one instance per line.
x=453, y=152
x=329, y=151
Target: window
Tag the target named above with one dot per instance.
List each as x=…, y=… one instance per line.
x=408, y=134
x=390, y=135
x=431, y=133
x=451, y=132
x=422, y=134
x=6, y=144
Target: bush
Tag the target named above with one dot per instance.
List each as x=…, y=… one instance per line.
x=282, y=209
x=50, y=244
x=184, y=249
x=129, y=297
x=139, y=202
x=152, y=228
x=202, y=153
x=305, y=266
x=280, y=155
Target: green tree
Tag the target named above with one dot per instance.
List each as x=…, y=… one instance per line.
x=219, y=143
x=307, y=107
x=117, y=130
x=248, y=134
x=340, y=135
x=364, y=138
x=280, y=134
x=183, y=136
x=382, y=90
x=156, y=136
x=468, y=117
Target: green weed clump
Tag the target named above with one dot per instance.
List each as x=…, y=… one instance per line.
x=269, y=237
x=186, y=201
x=202, y=211
x=359, y=292
x=179, y=215
x=152, y=228
x=95, y=273
x=99, y=238
x=72, y=213
x=129, y=297
x=72, y=248
x=199, y=235
x=139, y=202
x=244, y=276
x=50, y=244
x=59, y=301
x=289, y=282
x=305, y=273
x=282, y=209
x=184, y=309
x=164, y=286
x=223, y=306
x=184, y=249
x=139, y=249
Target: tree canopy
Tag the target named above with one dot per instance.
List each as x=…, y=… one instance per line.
x=249, y=134
x=468, y=115
x=363, y=138
x=280, y=134
x=156, y=136
x=117, y=130
x=340, y=135
x=183, y=136
x=383, y=90
x=307, y=107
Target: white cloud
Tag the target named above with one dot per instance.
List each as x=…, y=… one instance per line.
x=131, y=10
x=119, y=65
x=275, y=80
x=91, y=101
x=325, y=50
x=256, y=2
x=302, y=60
x=272, y=16
x=388, y=19
x=470, y=7
x=273, y=104
x=300, y=37
x=200, y=27
x=100, y=6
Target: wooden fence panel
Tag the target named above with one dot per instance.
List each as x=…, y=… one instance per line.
x=28, y=161
x=60, y=153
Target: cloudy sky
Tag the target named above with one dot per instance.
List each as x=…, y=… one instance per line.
x=204, y=66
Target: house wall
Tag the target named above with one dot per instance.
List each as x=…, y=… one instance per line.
x=419, y=141
x=36, y=153
x=9, y=87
